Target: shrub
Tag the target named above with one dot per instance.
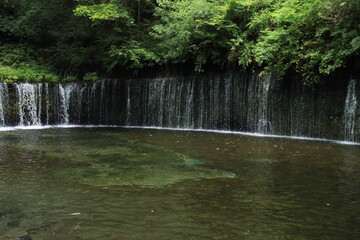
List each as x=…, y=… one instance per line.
x=91, y=76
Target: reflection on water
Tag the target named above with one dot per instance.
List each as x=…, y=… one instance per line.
x=113, y=183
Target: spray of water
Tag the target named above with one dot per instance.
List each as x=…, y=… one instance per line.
x=350, y=112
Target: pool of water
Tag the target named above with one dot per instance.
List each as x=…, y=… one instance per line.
x=122, y=184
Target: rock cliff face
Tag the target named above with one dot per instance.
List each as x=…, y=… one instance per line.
x=227, y=101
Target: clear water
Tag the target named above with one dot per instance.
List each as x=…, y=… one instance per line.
x=121, y=184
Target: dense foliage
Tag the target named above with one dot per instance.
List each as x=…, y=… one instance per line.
x=47, y=39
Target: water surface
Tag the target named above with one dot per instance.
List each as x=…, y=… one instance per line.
x=115, y=183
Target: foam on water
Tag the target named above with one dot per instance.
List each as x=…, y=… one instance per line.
x=245, y=134
x=4, y=129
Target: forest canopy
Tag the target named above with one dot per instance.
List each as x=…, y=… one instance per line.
x=49, y=40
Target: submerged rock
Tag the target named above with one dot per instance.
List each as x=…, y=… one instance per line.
x=133, y=163
x=25, y=237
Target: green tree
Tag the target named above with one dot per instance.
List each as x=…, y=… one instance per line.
x=72, y=38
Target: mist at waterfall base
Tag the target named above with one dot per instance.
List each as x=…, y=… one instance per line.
x=119, y=183
x=229, y=101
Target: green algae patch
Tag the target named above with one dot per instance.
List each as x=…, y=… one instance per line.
x=133, y=163
x=114, y=160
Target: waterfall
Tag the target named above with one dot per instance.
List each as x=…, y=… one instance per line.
x=201, y=105
x=223, y=101
x=3, y=92
x=263, y=126
x=114, y=103
x=79, y=100
x=38, y=94
x=47, y=102
x=227, y=102
x=350, y=112
x=128, y=104
x=91, y=103
x=29, y=103
x=102, y=109
x=258, y=101
x=189, y=123
x=65, y=92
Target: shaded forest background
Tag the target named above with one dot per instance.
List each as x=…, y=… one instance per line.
x=66, y=40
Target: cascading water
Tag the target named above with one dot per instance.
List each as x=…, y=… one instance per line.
x=351, y=105
x=38, y=94
x=91, y=96
x=79, y=101
x=128, y=104
x=231, y=101
x=29, y=103
x=3, y=91
x=47, y=102
x=264, y=126
x=65, y=92
x=252, y=103
x=102, y=101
